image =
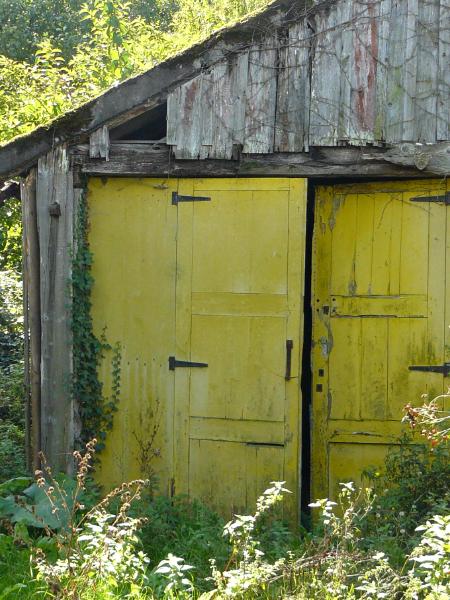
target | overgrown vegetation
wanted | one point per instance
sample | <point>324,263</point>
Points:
<point>12,443</point>
<point>132,545</point>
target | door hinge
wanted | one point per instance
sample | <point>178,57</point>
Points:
<point>444,199</point>
<point>176,198</point>
<point>444,369</point>
<point>174,363</point>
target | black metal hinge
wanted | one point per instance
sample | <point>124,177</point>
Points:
<point>176,198</point>
<point>174,363</point>
<point>444,199</point>
<point>444,369</point>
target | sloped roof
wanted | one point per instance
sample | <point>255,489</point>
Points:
<point>143,92</point>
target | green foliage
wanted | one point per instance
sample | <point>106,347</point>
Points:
<point>12,451</point>
<point>15,575</point>
<point>197,20</point>
<point>11,320</point>
<point>175,571</point>
<point>11,237</point>
<point>12,439</point>
<point>413,486</point>
<point>432,556</point>
<point>97,553</point>
<point>185,528</point>
<point>25,23</point>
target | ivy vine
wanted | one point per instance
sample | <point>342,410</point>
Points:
<point>96,412</point>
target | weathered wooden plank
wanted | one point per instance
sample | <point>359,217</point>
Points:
<point>229,100</point>
<point>261,97</point>
<point>347,14</point>
<point>410,72</point>
<point>206,103</point>
<point>427,71</point>
<point>152,160</point>
<point>173,116</point>
<point>55,227</point>
<point>443,104</point>
<point>358,82</point>
<point>99,143</point>
<point>402,71</point>
<point>33,309</point>
<point>380,123</point>
<point>325,89</point>
<point>206,119</point>
<point>190,118</point>
<point>292,118</point>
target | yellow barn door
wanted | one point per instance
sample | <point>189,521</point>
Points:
<point>239,294</point>
<point>201,282</point>
<point>379,308</point>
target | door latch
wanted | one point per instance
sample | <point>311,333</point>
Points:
<point>444,369</point>
<point>289,346</point>
<point>174,363</point>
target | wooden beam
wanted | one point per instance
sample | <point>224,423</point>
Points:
<point>55,225</point>
<point>32,311</point>
<point>140,159</point>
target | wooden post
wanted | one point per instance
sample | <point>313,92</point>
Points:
<point>55,225</point>
<point>26,336</point>
<point>32,313</point>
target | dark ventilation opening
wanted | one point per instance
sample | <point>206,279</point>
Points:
<point>150,126</point>
<point>306,379</point>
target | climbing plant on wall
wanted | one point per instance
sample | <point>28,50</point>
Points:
<point>95,410</point>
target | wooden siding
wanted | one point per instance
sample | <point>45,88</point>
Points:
<point>363,72</point>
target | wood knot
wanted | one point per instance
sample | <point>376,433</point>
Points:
<point>421,160</point>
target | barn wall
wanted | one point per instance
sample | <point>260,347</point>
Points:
<point>353,72</point>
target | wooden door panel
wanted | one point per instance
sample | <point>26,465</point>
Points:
<point>230,476</point>
<point>246,358</point>
<point>344,464</point>
<point>379,302</point>
<point>227,232</point>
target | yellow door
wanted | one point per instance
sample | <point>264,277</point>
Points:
<point>239,298</point>
<point>210,272</point>
<point>379,299</point>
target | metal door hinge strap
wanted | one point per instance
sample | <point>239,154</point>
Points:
<point>176,198</point>
<point>174,363</point>
<point>444,369</point>
<point>445,199</point>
